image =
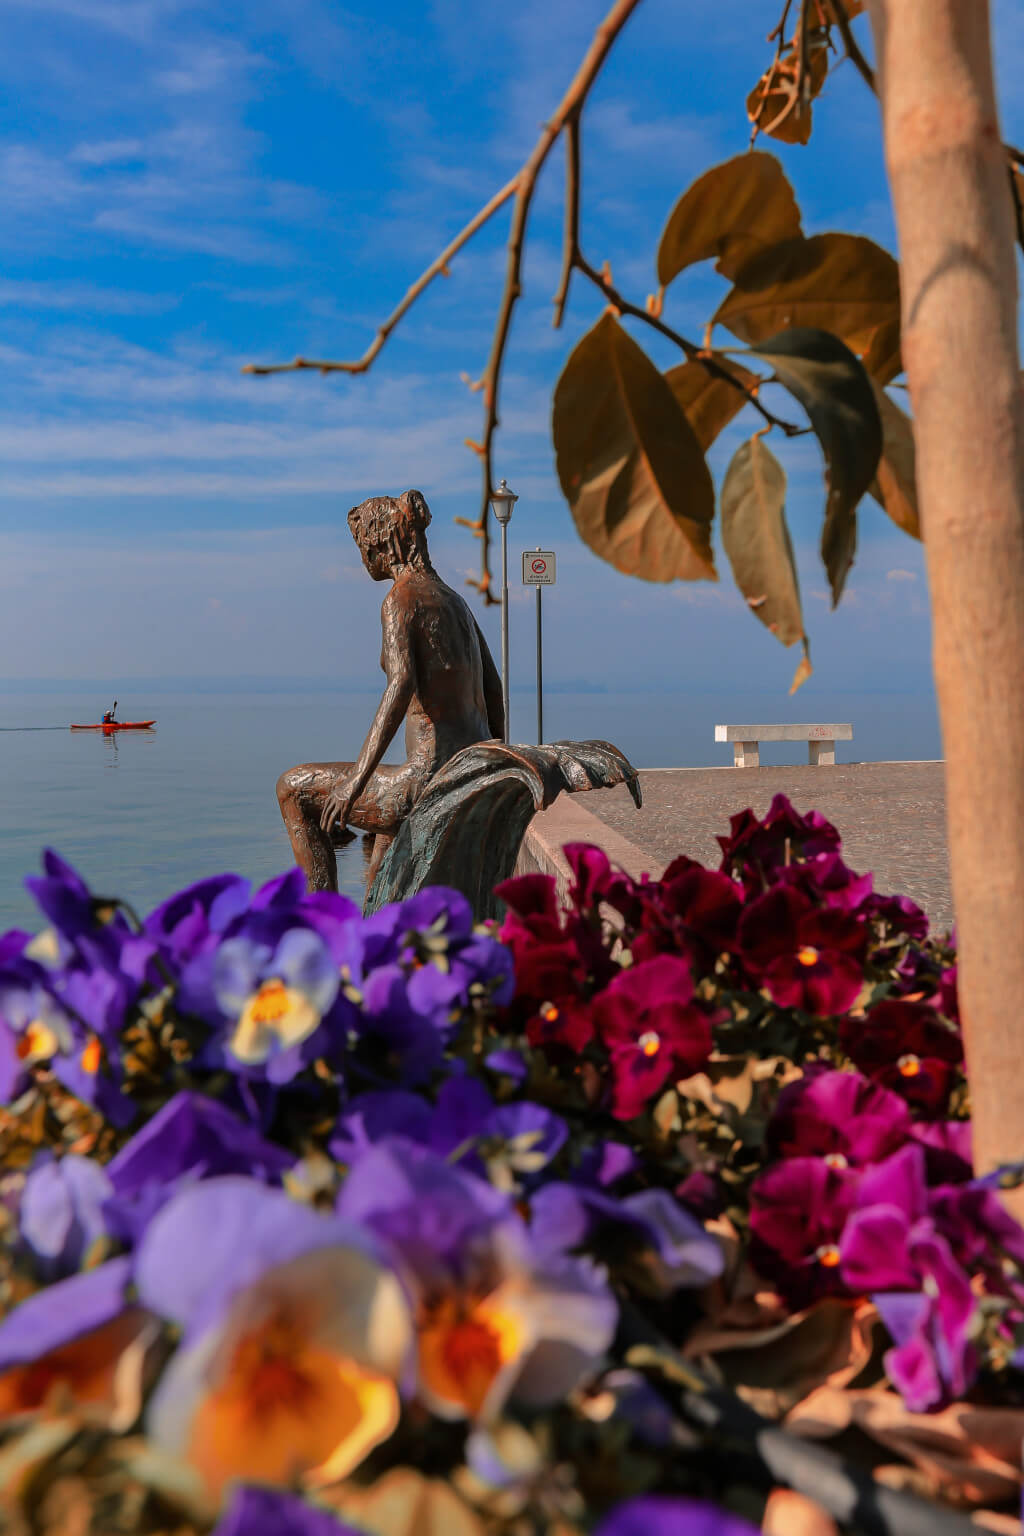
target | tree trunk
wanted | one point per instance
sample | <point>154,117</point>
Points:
<point>948,176</point>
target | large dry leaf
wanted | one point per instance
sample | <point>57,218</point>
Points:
<point>757,541</point>
<point>731,212</point>
<point>629,463</point>
<point>404,1503</point>
<point>775,1368</point>
<point>709,402</point>
<point>835,391</point>
<point>967,1452</point>
<point>845,284</point>
<point>895,485</point>
<point>778,105</point>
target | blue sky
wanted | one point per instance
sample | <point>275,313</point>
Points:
<point>189,186</point>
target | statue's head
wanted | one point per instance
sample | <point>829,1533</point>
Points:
<point>390,531</point>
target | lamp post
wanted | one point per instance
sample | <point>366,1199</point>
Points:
<point>502,502</point>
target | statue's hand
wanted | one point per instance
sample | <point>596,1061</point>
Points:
<point>338,805</point>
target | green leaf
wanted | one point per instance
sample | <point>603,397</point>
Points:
<point>845,284</point>
<point>757,541</point>
<point>629,462</point>
<point>708,402</point>
<point>895,485</point>
<point>732,212</point>
<point>839,398</point>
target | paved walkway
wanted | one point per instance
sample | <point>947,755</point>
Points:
<point>891,817</point>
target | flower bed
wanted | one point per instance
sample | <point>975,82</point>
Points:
<point>315,1222</point>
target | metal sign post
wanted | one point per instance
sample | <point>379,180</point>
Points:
<point>538,572</point>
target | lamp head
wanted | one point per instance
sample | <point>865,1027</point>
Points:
<point>502,502</point>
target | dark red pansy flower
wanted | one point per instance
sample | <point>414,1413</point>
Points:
<point>797,1212</point>
<point>825,878</point>
<point>694,908</point>
<point>758,849</point>
<point>899,914</point>
<point>566,1023</point>
<point>807,957</point>
<point>652,1029</point>
<point>909,1048</point>
<point>841,1116</point>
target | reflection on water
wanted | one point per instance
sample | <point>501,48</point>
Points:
<point>142,813</point>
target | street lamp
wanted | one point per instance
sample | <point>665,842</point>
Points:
<point>502,502</point>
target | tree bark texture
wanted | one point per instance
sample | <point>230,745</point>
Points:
<point>947,173</point>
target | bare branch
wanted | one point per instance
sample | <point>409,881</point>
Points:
<point>569,107</point>
<point>851,45</point>
<point>436,269</point>
<point>571,242</point>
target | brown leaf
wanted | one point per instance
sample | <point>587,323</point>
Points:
<point>757,541</point>
<point>841,283</point>
<point>629,463</point>
<point>967,1452</point>
<point>803,671</point>
<point>895,485</point>
<point>405,1503</point>
<point>838,396</point>
<point>709,403</point>
<point>775,103</point>
<point>731,212</point>
<point>852,7</point>
<point>777,1367</point>
<point>789,1513</point>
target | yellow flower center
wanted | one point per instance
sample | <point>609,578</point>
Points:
<point>808,955</point>
<point>462,1350</point>
<point>275,1016</point>
<point>37,1042</point>
<point>836,1160</point>
<point>91,1057</point>
<point>828,1255</point>
<point>283,1407</point>
<point>649,1042</point>
<point>909,1066</point>
<point>549,1013</point>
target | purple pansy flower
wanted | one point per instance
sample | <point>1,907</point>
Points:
<point>61,1212</point>
<point>191,1137</point>
<point>294,1336</point>
<point>656,1515</point>
<point>495,1317</point>
<point>276,998</point>
<point>256,1511</point>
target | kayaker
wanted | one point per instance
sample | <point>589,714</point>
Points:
<point>108,718</point>
<point>440,678</point>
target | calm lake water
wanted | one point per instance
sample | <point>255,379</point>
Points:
<point>141,814</point>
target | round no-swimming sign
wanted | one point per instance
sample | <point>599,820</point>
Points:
<point>538,568</point>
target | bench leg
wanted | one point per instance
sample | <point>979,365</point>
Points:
<point>821,754</point>
<point>745,754</point>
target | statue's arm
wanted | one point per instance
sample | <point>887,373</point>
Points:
<point>493,697</point>
<point>391,711</point>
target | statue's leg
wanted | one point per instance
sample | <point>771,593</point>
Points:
<point>381,808</point>
<point>301,793</point>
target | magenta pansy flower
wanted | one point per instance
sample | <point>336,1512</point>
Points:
<point>653,1030</point>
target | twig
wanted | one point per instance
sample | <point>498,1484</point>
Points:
<point>569,108</point>
<point>694,353</point>
<point>361,364</point>
<point>803,59</point>
<point>851,45</point>
<point>571,242</point>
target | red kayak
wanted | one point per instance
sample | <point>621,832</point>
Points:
<point>117,725</point>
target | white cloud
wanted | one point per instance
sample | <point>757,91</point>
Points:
<point>900,575</point>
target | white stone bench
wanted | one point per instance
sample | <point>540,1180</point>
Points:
<point>821,741</point>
